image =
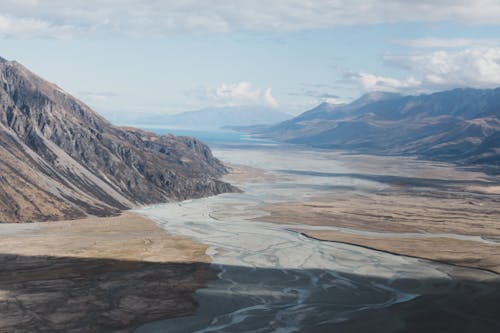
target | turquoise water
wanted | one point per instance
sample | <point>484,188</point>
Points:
<point>212,137</point>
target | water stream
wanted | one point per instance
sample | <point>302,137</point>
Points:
<point>272,279</point>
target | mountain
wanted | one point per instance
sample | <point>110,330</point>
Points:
<point>461,125</point>
<point>215,118</point>
<point>61,160</point>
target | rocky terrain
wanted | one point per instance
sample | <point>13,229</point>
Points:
<point>61,160</point>
<point>461,125</point>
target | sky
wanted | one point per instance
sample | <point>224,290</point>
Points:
<point>151,56</point>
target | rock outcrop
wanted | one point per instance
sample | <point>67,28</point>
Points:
<point>61,160</point>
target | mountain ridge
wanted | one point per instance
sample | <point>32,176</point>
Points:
<point>457,125</point>
<point>214,118</point>
<point>61,160</point>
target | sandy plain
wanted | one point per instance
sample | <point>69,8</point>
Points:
<point>96,275</point>
<point>459,230</point>
<point>448,217</point>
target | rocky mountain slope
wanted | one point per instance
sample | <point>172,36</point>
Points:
<point>461,125</point>
<point>61,160</point>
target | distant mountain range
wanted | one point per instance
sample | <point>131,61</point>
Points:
<point>461,125</point>
<point>213,118</point>
<point>61,160</point>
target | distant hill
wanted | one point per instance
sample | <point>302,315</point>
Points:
<point>461,125</point>
<point>61,160</point>
<point>216,118</point>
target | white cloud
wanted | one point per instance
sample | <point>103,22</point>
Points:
<point>96,97</point>
<point>237,91</point>
<point>101,18</point>
<point>270,100</point>
<point>241,93</point>
<point>371,82</point>
<point>32,27</point>
<point>474,67</point>
<point>447,43</point>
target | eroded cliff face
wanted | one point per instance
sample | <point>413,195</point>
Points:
<point>61,160</point>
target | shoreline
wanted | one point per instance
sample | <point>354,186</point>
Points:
<point>95,274</point>
<point>358,244</point>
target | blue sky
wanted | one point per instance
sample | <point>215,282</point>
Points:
<point>138,56</point>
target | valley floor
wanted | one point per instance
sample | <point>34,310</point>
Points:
<point>423,210</point>
<point>95,275</point>
<point>372,224</point>
<point>456,230</point>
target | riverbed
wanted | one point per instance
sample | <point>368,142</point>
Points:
<point>272,278</point>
